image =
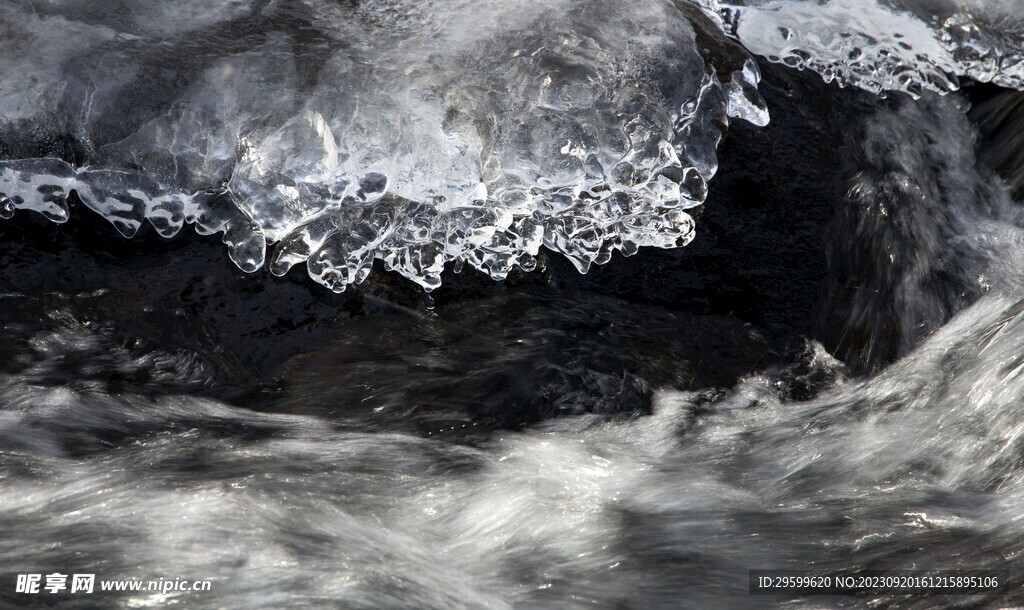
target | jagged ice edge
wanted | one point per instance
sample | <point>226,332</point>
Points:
<point>126,198</point>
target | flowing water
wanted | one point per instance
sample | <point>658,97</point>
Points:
<point>602,304</point>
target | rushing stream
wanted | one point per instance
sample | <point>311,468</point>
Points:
<point>509,303</point>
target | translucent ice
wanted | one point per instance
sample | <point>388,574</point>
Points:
<point>885,45</point>
<point>415,133</point>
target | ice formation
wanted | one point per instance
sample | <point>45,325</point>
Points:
<point>423,133</point>
<point>885,45</point>
<point>414,132</point>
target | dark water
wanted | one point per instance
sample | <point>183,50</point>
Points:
<point>828,376</point>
